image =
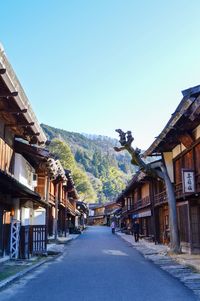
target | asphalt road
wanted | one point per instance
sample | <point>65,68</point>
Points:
<point>99,266</point>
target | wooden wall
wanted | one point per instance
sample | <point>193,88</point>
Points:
<point>6,157</point>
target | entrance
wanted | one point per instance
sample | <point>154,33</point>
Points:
<point>5,220</point>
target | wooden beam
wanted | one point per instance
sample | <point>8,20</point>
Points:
<point>2,71</point>
<point>186,139</point>
<point>7,95</point>
<point>14,112</point>
<point>195,109</point>
<point>20,124</point>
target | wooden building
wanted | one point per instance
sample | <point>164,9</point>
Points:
<point>179,146</point>
<point>18,197</point>
<point>137,202</point>
<point>83,210</point>
<point>71,202</point>
<point>96,214</point>
<point>37,196</point>
<point>111,211</point>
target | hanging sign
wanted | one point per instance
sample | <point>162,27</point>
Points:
<point>188,181</point>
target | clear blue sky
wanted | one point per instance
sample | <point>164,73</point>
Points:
<point>94,66</point>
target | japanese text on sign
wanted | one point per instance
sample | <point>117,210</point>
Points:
<point>188,181</point>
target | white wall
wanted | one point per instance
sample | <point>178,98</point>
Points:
<point>39,217</point>
<point>180,147</point>
<point>91,212</point>
<point>23,171</point>
<point>178,150</point>
<point>25,216</point>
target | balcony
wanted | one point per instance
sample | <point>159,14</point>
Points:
<point>160,198</point>
<point>124,209</point>
<point>63,202</point>
<point>146,201</point>
<point>142,203</point>
<point>179,188</point>
<point>51,198</point>
<point>71,207</point>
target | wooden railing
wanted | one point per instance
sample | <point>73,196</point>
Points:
<point>70,206</point>
<point>179,187</point>
<point>51,198</point>
<point>146,201</point>
<point>160,198</point>
<point>63,202</point>
<point>178,190</point>
<point>6,155</point>
<point>124,209</point>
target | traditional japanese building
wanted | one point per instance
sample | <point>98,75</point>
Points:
<point>96,214</point>
<point>18,198</point>
<point>83,210</point>
<point>72,198</point>
<point>179,146</point>
<point>111,211</point>
<point>37,196</point>
<point>137,203</point>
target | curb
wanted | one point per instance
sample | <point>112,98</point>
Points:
<point>19,275</point>
<point>189,278</point>
<point>6,282</point>
<point>184,262</point>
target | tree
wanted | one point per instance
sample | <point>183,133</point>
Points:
<point>83,185</point>
<point>126,140</point>
<point>112,183</point>
<point>63,152</point>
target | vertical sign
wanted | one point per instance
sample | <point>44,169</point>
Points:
<point>188,181</point>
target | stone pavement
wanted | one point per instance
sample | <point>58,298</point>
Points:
<point>185,267</point>
<point>11,270</point>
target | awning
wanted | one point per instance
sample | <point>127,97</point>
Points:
<point>35,155</point>
<point>10,186</point>
<point>142,214</point>
<point>98,216</point>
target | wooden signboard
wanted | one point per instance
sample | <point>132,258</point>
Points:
<point>188,182</point>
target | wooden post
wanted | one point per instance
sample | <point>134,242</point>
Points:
<point>56,214</point>
<point>47,209</point>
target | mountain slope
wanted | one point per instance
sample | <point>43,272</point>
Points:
<point>107,170</point>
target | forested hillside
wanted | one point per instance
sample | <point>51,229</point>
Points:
<point>99,172</point>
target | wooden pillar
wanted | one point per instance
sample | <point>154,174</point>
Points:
<point>47,208</point>
<point>56,213</point>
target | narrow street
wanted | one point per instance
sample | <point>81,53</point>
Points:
<point>98,266</point>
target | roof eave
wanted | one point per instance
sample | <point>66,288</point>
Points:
<point>21,99</point>
<point>181,109</point>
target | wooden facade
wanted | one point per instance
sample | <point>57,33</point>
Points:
<point>37,197</point>
<point>179,145</point>
<point>136,201</point>
<point>96,214</point>
<point>18,197</point>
